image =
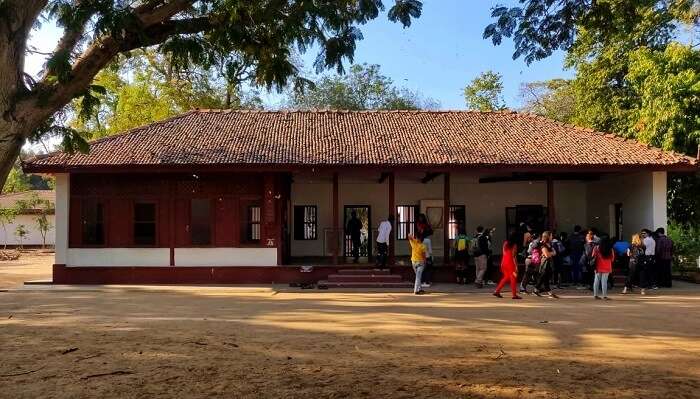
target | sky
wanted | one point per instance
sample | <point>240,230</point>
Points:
<point>437,56</point>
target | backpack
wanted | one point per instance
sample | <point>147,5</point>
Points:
<point>536,256</point>
<point>474,247</point>
<point>462,242</point>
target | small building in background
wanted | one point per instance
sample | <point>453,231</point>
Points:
<point>27,216</point>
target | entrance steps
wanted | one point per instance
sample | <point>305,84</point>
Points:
<point>364,278</point>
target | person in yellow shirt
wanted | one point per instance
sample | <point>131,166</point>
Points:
<point>418,255</point>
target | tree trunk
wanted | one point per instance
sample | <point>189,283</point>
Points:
<point>16,22</point>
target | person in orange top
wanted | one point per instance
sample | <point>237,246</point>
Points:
<point>418,255</point>
<point>604,257</point>
<point>509,266</point>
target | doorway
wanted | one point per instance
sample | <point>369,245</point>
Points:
<point>364,214</point>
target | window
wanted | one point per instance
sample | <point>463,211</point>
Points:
<point>92,218</point>
<point>457,219</point>
<point>305,222</point>
<point>200,221</point>
<point>144,223</point>
<point>252,233</point>
<point>406,221</point>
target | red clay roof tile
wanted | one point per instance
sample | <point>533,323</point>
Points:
<point>505,138</point>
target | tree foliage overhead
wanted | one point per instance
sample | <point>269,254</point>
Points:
<point>551,98</point>
<point>261,33</point>
<point>364,87</point>
<point>485,92</point>
<point>146,88</point>
<point>637,75</point>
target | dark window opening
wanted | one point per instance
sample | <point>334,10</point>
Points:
<point>92,217</point>
<point>200,221</point>
<point>305,222</point>
<point>144,223</point>
<point>405,221</point>
<point>457,219</point>
<point>252,225</point>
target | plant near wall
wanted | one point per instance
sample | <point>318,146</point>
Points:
<point>44,207</point>
<point>21,233</point>
<point>686,245</point>
<point>7,216</point>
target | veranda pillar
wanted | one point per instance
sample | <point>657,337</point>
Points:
<point>392,211</point>
<point>336,215</point>
<point>446,219</point>
<point>551,212</point>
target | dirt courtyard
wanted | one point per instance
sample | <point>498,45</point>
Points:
<point>278,342</point>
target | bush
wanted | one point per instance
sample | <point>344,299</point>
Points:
<point>686,241</point>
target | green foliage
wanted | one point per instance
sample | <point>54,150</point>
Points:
<point>21,233</point>
<point>686,244</point>
<point>585,27</point>
<point>16,181</point>
<point>666,85</point>
<point>147,87</point>
<point>553,99</point>
<point>7,216</point>
<point>363,88</point>
<point>485,92</point>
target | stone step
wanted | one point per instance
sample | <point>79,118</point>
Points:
<point>364,278</point>
<point>364,271</point>
<point>329,284</point>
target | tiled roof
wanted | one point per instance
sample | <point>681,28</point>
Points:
<point>374,138</point>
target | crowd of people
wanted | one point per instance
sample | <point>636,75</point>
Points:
<point>536,263</point>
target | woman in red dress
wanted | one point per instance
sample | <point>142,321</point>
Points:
<point>509,266</point>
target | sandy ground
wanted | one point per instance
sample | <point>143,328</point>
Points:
<point>277,342</point>
<point>32,265</point>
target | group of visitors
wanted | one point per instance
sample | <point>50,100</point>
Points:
<point>542,261</point>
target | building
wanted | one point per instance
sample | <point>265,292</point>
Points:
<point>216,196</point>
<point>27,217</point>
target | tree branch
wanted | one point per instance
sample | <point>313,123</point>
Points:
<point>52,97</point>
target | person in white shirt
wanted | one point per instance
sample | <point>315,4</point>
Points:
<point>383,238</point>
<point>650,257</point>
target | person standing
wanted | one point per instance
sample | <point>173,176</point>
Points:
<point>480,252</point>
<point>650,257</point>
<point>546,266</point>
<point>635,271</point>
<point>575,244</point>
<point>664,258</point>
<point>354,230</point>
<point>509,268</point>
<point>461,245</point>
<point>383,239</point>
<point>587,259</point>
<point>425,231</point>
<point>604,257</point>
<point>418,256</point>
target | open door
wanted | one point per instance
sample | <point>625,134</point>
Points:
<point>363,213</point>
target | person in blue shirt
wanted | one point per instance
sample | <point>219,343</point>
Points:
<point>621,247</point>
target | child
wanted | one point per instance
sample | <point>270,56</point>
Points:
<point>418,254</point>
<point>461,245</point>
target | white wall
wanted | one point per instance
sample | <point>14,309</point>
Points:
<point>118,257</point>
<point>61,219</point>
<point>225,256</point>
<point>33,235</point>
<point>643,199</point>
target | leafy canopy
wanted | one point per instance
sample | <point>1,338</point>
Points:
<point>363,88</point>
<point>485,92</point>
<point>260,37</point>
